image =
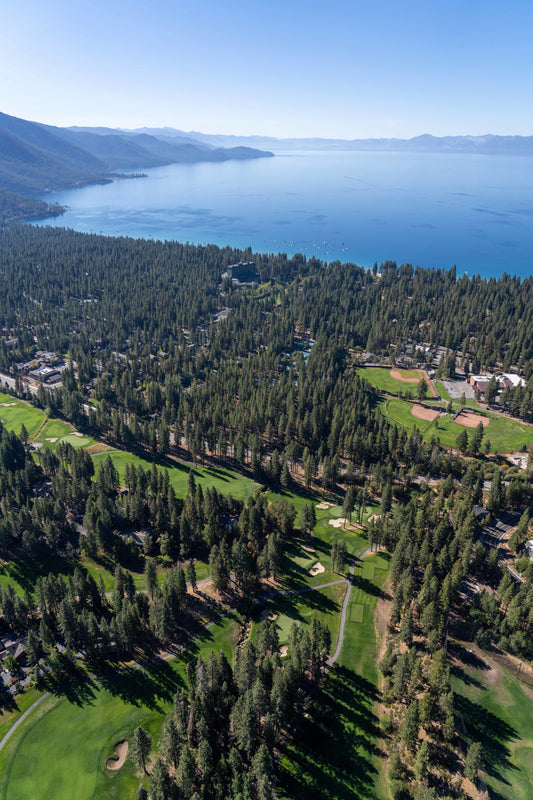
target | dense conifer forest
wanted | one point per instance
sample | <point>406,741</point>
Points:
<point>167,357</point>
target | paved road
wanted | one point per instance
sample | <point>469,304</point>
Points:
<point>21,719</point>
<point>332,659</point>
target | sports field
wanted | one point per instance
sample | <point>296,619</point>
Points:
<point>393,380</point>
<point>504,434</point>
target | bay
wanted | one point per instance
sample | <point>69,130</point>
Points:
<point>427,209</point>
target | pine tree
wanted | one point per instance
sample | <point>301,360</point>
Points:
<point>140,747</point>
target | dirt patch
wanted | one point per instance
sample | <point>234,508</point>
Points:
<point>397,375</point>
<point>428,414</point>
<point>307,549</point>
<point>317,569</point>
<point>469,420</point>
<point>283,651</point>
<point>121,751</point>
<point>323,505</point>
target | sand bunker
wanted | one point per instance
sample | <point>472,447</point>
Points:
<point>283,651</point>
<point>307,549</point>
<point>7,404</point>
<point>121,751</point>
<point>323,505</point>
<point>51,439</point>
<point>469,420</point>
<point>316,569</point>
<point>266,614</point>
<point>374,517</point>
<point>338,522</point>
<point>420,412</point>
<point>77,433</point>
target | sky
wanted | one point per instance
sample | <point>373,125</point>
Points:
<point>337,69</point>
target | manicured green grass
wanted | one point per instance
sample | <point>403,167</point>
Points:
<point>56,431</point>
<point>439,386</point>
<point>23,573</point>
<point>297,562</point>
<point>22,702</point>
<point>504,434</point>
<point>381,379</point>
<point>224,480</point>
<point>60,750</point>
<point>323,604</point>
<point>335,752</point>
<point>499,714</point>
<point>17,413</point>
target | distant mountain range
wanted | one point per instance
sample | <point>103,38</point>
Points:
<point>36,158</point>
<point>487,144</point>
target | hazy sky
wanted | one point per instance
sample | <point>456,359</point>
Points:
<point>342,68</point>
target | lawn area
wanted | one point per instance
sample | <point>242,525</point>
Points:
<point>297,562</point>
<point>324,604</point>
<point>224,480</point>
<point>381,379</point>
<point>497,711</point>
<point>336,749</point>
<point>56,431</point>
<point>23,573</point>
<point>14,413</point>
<point>68,739</point>
<point>439,386</point>
<point>504,434</point>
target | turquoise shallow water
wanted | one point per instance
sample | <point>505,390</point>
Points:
<point>435,210</point>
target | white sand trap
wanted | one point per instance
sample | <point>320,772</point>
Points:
<point>272,617</point>
<point>7,404</point>
<point>307,548</point>
<point>77,433</point>
<point>323,505</point>
<point>374,517</point>
<point>316,569</point>
<point>121,751</point>
<point>283,651</point>
<point>51,439</point>
<point>338,523</point>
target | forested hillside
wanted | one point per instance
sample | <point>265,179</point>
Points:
<point>205,382</point>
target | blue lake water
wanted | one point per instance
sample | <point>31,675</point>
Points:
<point>435,210</point>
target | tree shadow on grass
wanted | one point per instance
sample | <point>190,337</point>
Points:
<point>493,733</point>
<point>153,686</point>
<point>335,744</point>
<point>73,683</point>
